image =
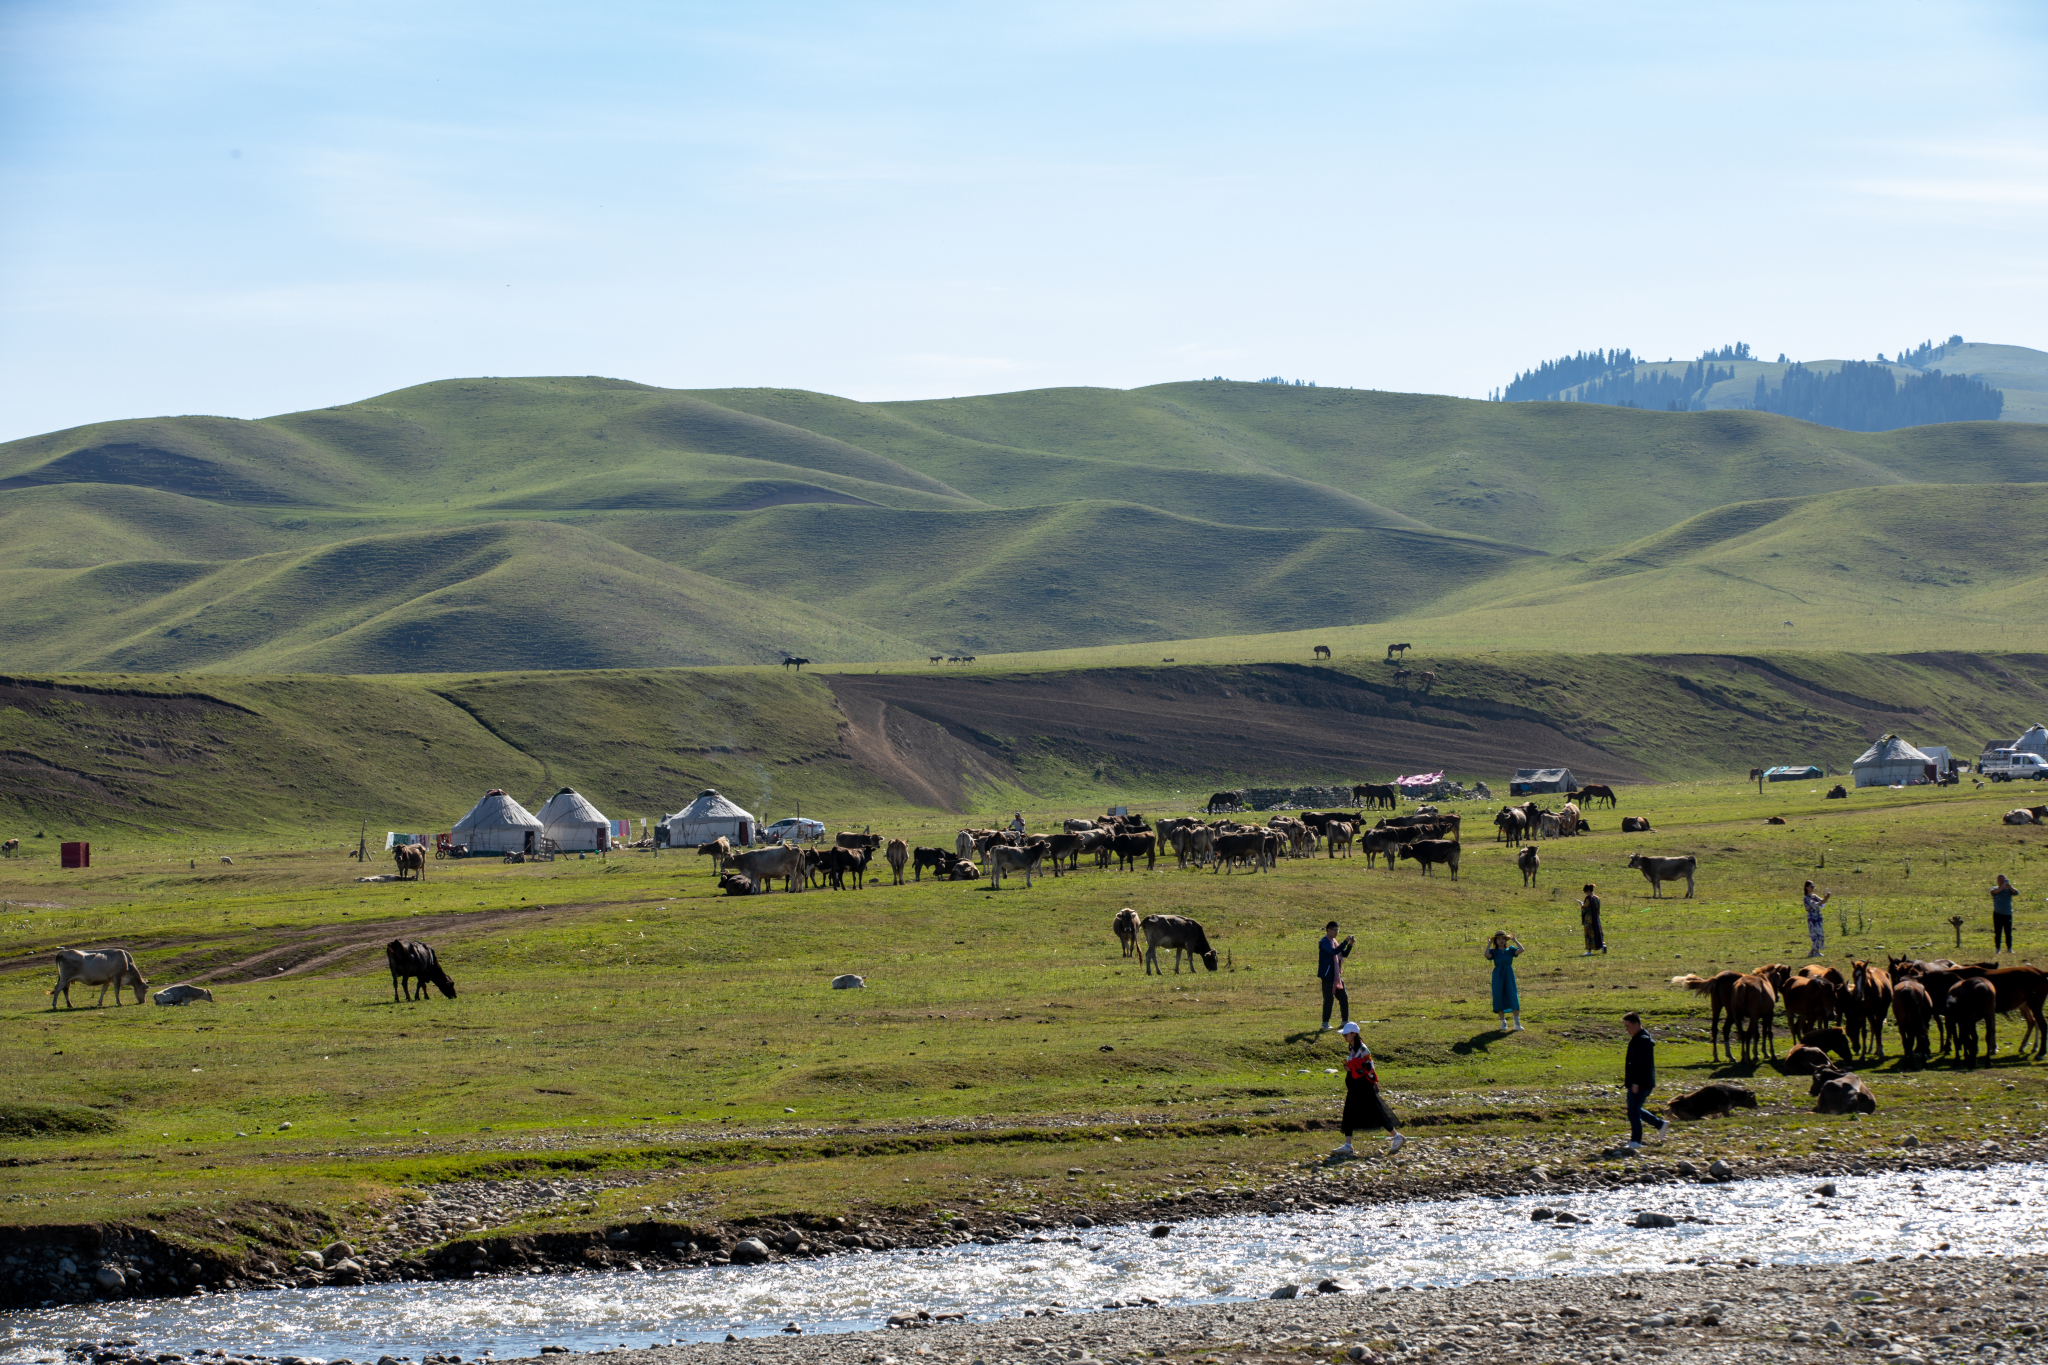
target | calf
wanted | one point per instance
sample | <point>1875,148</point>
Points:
<point>2019,817</point>
<point>1662,870</point>
<point>1430,852</point>
<point>735,884</point>
<point>1711,1100</point>
<point>182,994</point>
<point>1125,927</point>
<point>1181,935</point>
<point>1529,860</point>
<point>110,967</point>
<point>412,961</point>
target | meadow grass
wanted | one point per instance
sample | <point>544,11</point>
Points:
<point>615,1015</point>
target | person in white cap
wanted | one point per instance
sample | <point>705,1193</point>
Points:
<point>1363,1107</point>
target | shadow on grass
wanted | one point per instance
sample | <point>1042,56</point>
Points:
<point>1478,1042</point>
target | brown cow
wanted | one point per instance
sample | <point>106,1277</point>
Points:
<point>898,854</point>
<point>1125,927</point>
<point>1529,860</point>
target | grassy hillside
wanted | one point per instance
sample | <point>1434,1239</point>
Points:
<point>580,523</point>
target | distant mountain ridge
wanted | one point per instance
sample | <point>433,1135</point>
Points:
<point>558,522</point>
<point>1953,381</point>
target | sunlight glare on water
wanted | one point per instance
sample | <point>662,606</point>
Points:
<point>2002,1211</point>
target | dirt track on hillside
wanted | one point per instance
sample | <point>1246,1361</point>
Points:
<point>1283,722</point>
<point>267,954</point>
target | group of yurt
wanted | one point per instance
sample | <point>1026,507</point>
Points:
<point>569,823</point>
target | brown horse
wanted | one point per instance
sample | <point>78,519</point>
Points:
<point>1970,1000</point>
<point>1913,1010</point>
<point>1753,1006</point>
<point>1868,1001</point>
<point>1719,990</point>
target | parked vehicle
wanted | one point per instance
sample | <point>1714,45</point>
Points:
<point>2003,765</point>
<point>795,830</point>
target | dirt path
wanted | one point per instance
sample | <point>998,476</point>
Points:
<point>266,954</point>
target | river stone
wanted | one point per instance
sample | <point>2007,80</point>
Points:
<point>1720,1170</point>
<point>1285,1291</point>
<point>338,1251</point>
<point>1826,1191</point>
<point>1647,1219</point>
<point>110,1277</point>
<point>1084,1221</point>
<point>312,1260</point>
<point>1542,1215</point>
<point>749,1251</point>
<point>1163,1230</point>
<point>1687,1168</point>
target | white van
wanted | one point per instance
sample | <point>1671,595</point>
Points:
<point>2003,765</point>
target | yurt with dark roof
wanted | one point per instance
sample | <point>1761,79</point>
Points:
<point>573,823</point>
<point>498,824</point>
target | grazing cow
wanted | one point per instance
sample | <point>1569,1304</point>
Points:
<point>1838,792</point>
<point>898,854</point>
<point>734,884</point>
<point>2019,817</point>
<point>1842,1093</point>
<point>11,847</point>
<point>1125,927</point>
<point>1634,824</point>
<point>412,961</point>
<point>1529,861</point>
<point>182,994</point>
<point>1662,870</point>
<point>796,662</point>
<point>226,859</point>
<point>1597,791</point>
<point>1001,860</point>
<point>1322,651</point>
<point>1400,649</point>
<point>1711,1100</point>
<point>109,967</point>
<point>1223,801</point>
<point>763,865</point>
<point>411,858</point>
<point>1430,852</point>
<point>939,860</point>
<point>1806,1059</point>
<point>1128,848</point>
<point>718,850</point>
<point>1509,826</point>
<point>1970,1000</point>
<point>1180,934</point>
<point>1230,849</point>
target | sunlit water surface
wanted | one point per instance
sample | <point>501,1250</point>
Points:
<point>2001,1211</point>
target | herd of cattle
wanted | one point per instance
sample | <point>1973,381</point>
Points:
<point>1846,1014</point>
<point>411,962</point>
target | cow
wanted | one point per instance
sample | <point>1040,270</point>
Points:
<point>11,847</point>
<point>1529,861</point>
<point>762,865</point>
<point>412,961</point>
<point>1597,791</point>
<point>1125,927</point>
<point>846,838</point>
<point>718,850</point>
<point>1388,842</point>
<point>1711,1100</point>
<point>1376,795</point>
<point>1322,651</point>
<point>849,982</point>
<point>1339,834</point>
<point>411,858</point>
<point>939,860</point>
<point>108,967</point>
<point>965,870</point>
<point>1635,824</point>
<point>1429,852</point>
<point>182,994</point>
<point>1180,934</point>
<point>1222,801</point>
<point>735,884</point>
<point>1509,825</point>
<point>1128,848</point>
<point>898,854</point>
<point>1662,870</point>
<point>1838,792</point>
<point>2019,817</point>
<point>1231,848</point>
<point>1001,860</point>
<point>1078,826</point>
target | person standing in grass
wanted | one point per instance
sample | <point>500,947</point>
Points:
<point>1330,955</point>
<point>2001,914</point>
<point>1816,919</point>
<point>1589,921</point>
<point>1639,1078</point>
<point>1363,1107</point>
<point>1507,999</point>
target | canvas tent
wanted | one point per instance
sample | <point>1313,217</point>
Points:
<point>1892,762</point>
<point>497,824</point>
<point>1530,780</point>
<point>573,823</point>
<point>708,817</point>
<point>1939,755</point>
<point>1803,774</point>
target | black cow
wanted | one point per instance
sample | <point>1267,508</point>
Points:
<point>736,884</point>
<point>1430,852</point>
<point>412,961</point>
<point>939,860</point>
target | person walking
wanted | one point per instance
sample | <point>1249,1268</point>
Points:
<point>2001,914</point>
<point>1589,921</point>
<point>1639,1077</point>
<point>1330,955</point>
<point>1507,1000</point>
<point>1363,1107</point>
<point>1816,920</point>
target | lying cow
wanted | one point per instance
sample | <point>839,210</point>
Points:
<point>1635,824</point>
<point>735,884</point>
<point>110,967</point>
<point>1181,935</point>
<point>939,860</point>
<point>412,961</point>
<point>2019,817</point>
<point>1711,1100</point>
<point>1431,852</point>
<point>182,994</point>
<point>1662,870</point>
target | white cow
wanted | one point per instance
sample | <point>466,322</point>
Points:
<point>109,967</point>
<point>1002,859</point>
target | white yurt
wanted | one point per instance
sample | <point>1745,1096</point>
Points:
<point>2034,741</point>
<point>573,823</point>
<point>709,817</point>
<point>498,824</point>
<point>1891,762</point>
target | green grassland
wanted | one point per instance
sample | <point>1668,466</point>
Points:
<point>580,523</point>
<point>2020,372</point>
<point>617,1016</point>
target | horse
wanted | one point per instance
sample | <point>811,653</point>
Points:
<point>1809,1005</point>
<point>1428,681</point>
<point>1870,1000</point>
<point>1125,927</point>
<point>795,661</point>
<point>1719,990</point>
<point>1912,1010</point>
<point>1322,651</point>
<point>1970,1000</point>
<point>1400,649</point>
<point>1596,791</point>
<point>1753,1008</point>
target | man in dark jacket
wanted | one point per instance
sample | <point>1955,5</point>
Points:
<point>1639,1077</point>
<point>1330,955</point>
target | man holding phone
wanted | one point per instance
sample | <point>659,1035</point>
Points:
<point>1330,955</point>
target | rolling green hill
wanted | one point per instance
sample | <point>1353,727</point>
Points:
<point>581,523</point>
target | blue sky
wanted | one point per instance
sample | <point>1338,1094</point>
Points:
<point>246,208</point>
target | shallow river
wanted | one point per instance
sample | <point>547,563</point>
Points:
<point>1427,1242</point>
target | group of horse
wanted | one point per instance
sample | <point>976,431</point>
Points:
<point>1846,1014</point>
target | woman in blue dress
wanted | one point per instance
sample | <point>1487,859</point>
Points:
<point>1507,1000</point>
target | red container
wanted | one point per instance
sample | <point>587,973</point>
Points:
<point>77,855</point>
